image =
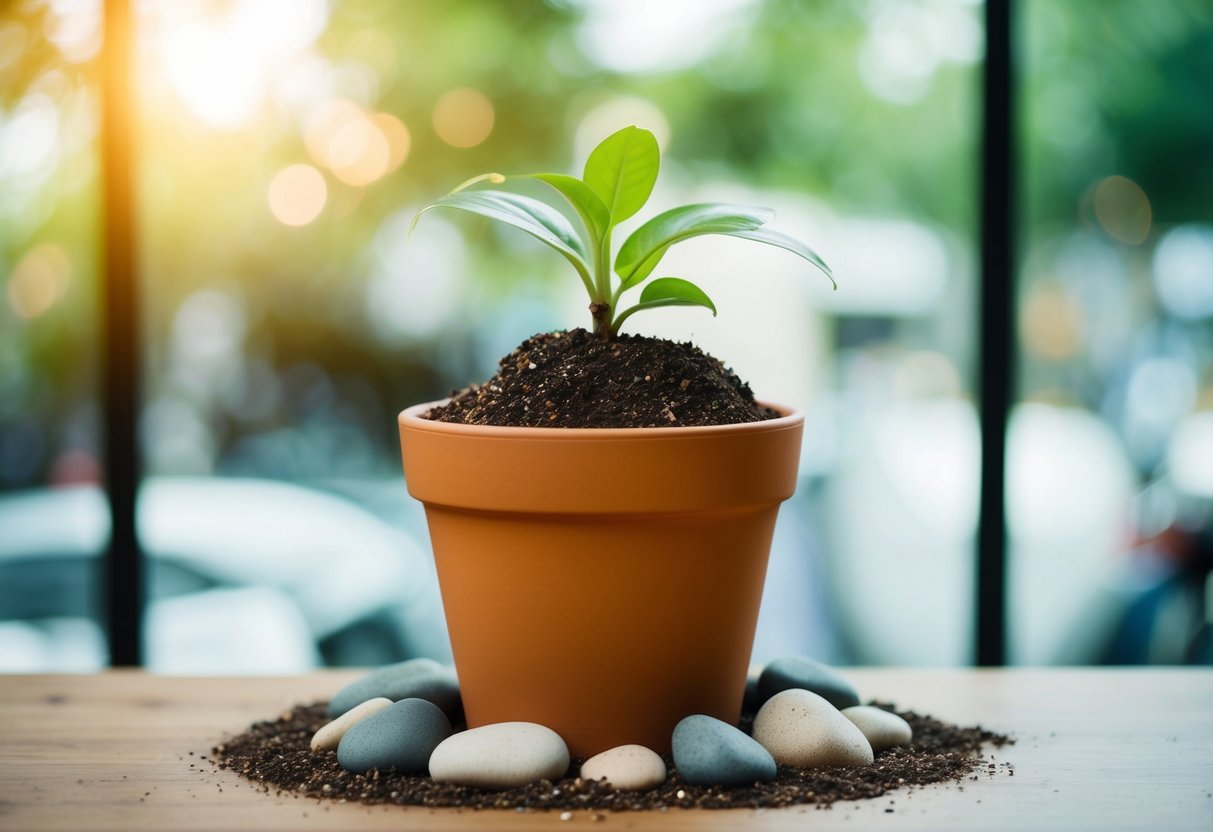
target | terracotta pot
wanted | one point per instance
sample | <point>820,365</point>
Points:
<point>604,583</point>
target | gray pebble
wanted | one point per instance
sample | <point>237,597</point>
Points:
<point>413,679</point>
<point>708,752</point>
<point>792,672</point>
<point>401,736</point>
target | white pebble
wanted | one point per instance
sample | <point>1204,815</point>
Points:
<point>500,756</point>
<point>627,768</point>
<point>882,729</point>
<point>802,729</point>
<point>329,737</point>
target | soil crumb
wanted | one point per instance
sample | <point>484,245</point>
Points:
<point>576,380</point>
<point>276,756</point>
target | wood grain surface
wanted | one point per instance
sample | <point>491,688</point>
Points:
<point>1096,749</point>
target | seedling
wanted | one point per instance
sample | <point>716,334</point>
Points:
<point>617,182</point>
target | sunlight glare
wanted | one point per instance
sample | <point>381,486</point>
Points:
<point>222,63</point>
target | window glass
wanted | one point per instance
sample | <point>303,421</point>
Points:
<point>54,521</point>
<point>1111,448</point>
<point>283,149</point>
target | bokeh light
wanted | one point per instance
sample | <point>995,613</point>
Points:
<point>398,138</point>
<point>1123,210</point>
<point>360,152</point>
<point>358,147</point>
<point>29,138</point>
<point>75,28</point>
<point>39,280</point>
<point>1051,325</point>
<point>463,117</point>
<point>1190,454</point>
<point>609,115</point>
<point>643,36</point>
<point>1183,271</point>
<point>297,195</point>
<point>321,127</point>
<point>908,42</point>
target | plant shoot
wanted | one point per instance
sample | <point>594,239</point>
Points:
<point>617,181</point>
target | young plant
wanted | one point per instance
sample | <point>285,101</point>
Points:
<point>618,179</point>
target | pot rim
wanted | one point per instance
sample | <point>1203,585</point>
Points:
<point>411,417</point>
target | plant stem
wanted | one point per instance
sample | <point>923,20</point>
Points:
<point>601,313</point>
<point>601,302</point>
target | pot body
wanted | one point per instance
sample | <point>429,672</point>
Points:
<point>604,583</point>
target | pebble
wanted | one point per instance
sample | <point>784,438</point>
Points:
<point>806,674</point>
<point>802,729</point>
<point>630,768</point>
<point>709,752</point>
<point>401,736</point>
<point>500,756</point>
<point>881,728</point>
<point>413,679</point>
<point>330,735</point>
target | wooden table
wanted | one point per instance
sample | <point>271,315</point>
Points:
<point>1096,749</point>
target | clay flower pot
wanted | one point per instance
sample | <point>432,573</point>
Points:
<point>602,582</point>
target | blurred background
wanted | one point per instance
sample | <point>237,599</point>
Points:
<point>284,146</point>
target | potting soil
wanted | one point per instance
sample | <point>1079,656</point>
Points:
<point>576,380</point>
<point>275,754</point>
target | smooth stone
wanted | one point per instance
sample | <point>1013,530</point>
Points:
<point>330,735</point>
<point>401,736</point>
<point>500,756</point>
<point>413,679</point>
<point>708,752</point>
<point>881,728</point>
<point>804,673</point>
<point>802,729</point>
<point>629,768</point>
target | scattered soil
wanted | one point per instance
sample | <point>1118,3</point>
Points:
<point>576,380</point>
<point>275,755</point>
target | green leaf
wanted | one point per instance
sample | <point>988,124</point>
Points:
<point>582,197</point>
<point>536,218</point>
<point>674,291</point>
<point>778,238</point>
<point>622,171</point>
<point>667,291</point>
<point>640,253</point>
<point>644,269</point>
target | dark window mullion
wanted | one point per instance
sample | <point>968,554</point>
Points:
<point>996,381</point>
<point>124,583</point>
